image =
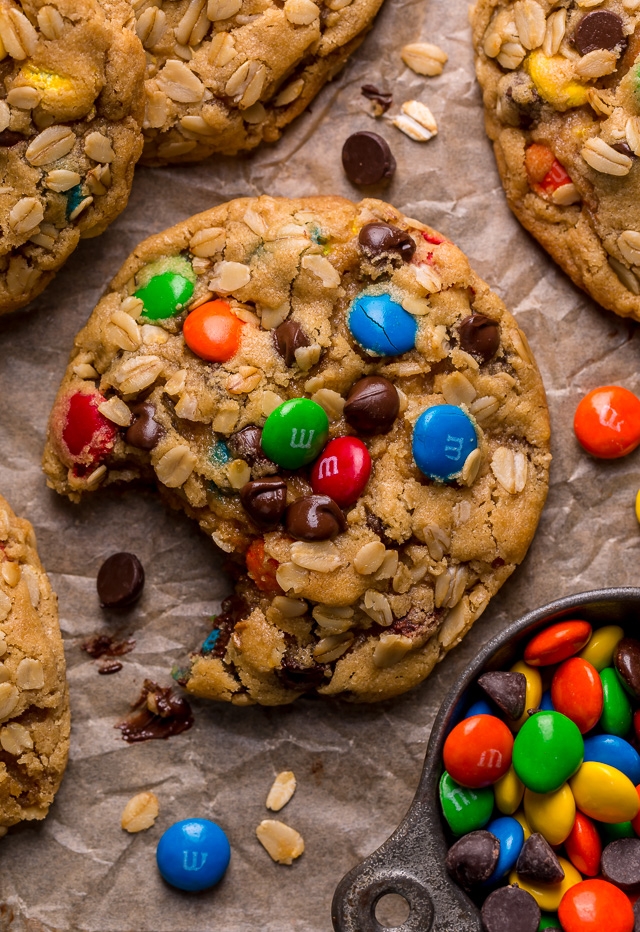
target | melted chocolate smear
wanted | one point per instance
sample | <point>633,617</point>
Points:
<point>103,645</point>
<point>234,608</point>
<point>162,714</point>
<point>371,92</point>
<point>110,666</point>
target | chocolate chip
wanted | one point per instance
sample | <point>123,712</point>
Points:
<point>473,858</point>
<point>538,861</point>
<point>246,444</point>
<point>620,863</point>
<point>627,662</point>
<point>265,500</point>
<point>479,336</point>
<point>625,148</point>
<point>144,432</point>
<point>379,239</point>
<point>372,405</point>
<point>367,158</point>
<point>120,580</point>
<point>314,517</point>
<point>8,139</point>
<point>600,29</point>
<point>371,92</point>
<point>289,337</point>
<point>508,691</point>
<point>295,675</point>
<point>510,909</point>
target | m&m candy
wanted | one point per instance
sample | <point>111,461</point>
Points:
<point>478,751</point>
<point>604,793</point>
<point>464,809</point>
<point>595,906</point>
<point>86,435</point>
<point>165,295</point>
<point>381,326</point>
<point>547,750</point>
<point>193,854</point>
<point>607,422</point>
<point>443,438</point>
<point>557,642</point>
<point>342,470</point>
<point>213,332</point>
<point>295,433</point>
<point>576,691</point>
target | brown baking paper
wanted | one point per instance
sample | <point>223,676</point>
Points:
<point>357,767</point>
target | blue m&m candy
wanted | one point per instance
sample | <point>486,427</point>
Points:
<point>382,326</point>
<point>443,438</point>
<point>193,854</point>
<point>510,834</point>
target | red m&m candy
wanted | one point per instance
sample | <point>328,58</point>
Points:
<point>261,567</point>
<point>584,846</point>
<point>576,691</point>
<point>478,751</point>
<point>86,434</point>
<point>607,422</point>
<point>342,470</point>
<point>557,642</point>
<point>595,906</point>
<point>213,332</point>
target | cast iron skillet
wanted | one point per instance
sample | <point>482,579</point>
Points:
<point>411,861</point>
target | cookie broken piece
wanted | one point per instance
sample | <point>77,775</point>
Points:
<point>560,87</point>
<point>225,75</point>
<point>34,700</point>
<point>70,132</point>
<point>270,365</point>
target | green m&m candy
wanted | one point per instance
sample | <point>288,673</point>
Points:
<point>464,809</point>
<point>166,286</point>
<point>616,709</point>
<point>295,433</point>
<point>547,750</point>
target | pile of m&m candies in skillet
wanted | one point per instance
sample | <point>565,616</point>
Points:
<point>541,786</point>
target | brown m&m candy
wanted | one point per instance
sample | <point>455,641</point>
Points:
<point>473,858</point>
<point>289,337</point>
<point>314,517</point>
<point>265,500</point>
<point>367,158</point>
<point>379,240</point>
<point>372,405</point>
<point>144,432</point>
<point>120,580</point>
<point>479,336</point>
<point>599,29</point>
<point>510,909</point>
<point>626,660</point>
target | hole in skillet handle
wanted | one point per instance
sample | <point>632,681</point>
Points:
<point>358,894</point>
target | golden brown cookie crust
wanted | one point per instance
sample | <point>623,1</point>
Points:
<point>34,698</point>
<point>592,234</point>
<point>442,550</point>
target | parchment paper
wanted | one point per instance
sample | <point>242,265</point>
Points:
<point>357,767</point>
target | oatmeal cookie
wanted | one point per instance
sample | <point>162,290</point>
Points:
<point>224,75</point>
<point>344,407</point>
<point>71,109</point>
<point>34,699</point>
<point>562,106</point>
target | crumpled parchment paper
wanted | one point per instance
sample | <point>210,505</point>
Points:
<point>356,766</point>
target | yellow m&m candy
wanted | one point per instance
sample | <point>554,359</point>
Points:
<point>554,80</point>
<point>604,793</point>
<point>551,814</point>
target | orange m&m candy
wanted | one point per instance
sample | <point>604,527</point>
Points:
<point>576,691</point>
<point>607,422</point>
<point>557,642</point>
<point>478,751</point>
<point>595,906</point>
<point>212,332</point>
<point>261,567</point>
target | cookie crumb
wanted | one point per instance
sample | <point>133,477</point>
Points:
<point>140,813</point>
<point>281,842</point>
<point>284,786</point>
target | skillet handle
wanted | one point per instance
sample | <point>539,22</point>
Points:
<point>356,897</point>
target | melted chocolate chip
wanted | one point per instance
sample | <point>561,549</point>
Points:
<point>372,405</point>
<point>103,645</point>
<point>246,444</point>
<point>599,29</point>
<point>624,148</point>
<point>380,240</point>
<point>265,500</point>
<point>120,580</point>
<point>620,864</point>
<point>289,337</point>
<point>234,608</point>
<point>479,336</point>
<point>314,517</point>
<point>473,858</point>
<point>294,675</point>
<point>367,158</point>
<point>144,432</point>
<point>371,92</point>
<point>510,909</point>
<point>8,139</point>
<point>508,691</point>
<point>161,714</point>
<point>538,861</point>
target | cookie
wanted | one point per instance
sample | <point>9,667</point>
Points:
<point>562,106</point>
<point>224,75</point>
<point>71,112</point>
<point>344,407</point>
<point>34,699</point>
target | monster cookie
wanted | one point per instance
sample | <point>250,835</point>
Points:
<point>71,110</point>
<point>34,701</point>
<point>561,85</point>
<point>344,407</point>
<point>224,75</point>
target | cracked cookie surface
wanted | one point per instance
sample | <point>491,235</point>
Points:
<point>34,699</point>
<point>561,88</point>
<point>224,75</point>
<point>232,362</point>
<point>71,109</point>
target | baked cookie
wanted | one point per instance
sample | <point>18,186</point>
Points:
<point>71,109</point>
<point>344,407</point>
<point>223,75</point>
<point>34,699</point>
<point>562,106</point>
